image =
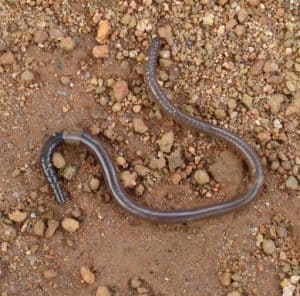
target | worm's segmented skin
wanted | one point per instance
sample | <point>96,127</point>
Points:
<point>110,173</point>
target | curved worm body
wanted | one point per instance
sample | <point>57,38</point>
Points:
<point>110,173</point>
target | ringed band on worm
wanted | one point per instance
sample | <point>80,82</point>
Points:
<point>253,162</point>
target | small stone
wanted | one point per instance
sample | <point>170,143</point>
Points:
<point>103,291</point>
<point>50,274</point>
<point>39,227</point>
<point>7,232</point>
<point>100,51</point>
<point>121,161</point>
<point>139,126</point>
<point>87,275</point>
<point>294,107</point>
<point>94,184</point>
<point>12,1</point>
<point>141,170</point>
<point>254,3</point>
<point>120,90</point>
<point>157,163</point>
<point>135,283</point>
<point>27,76</point>
<point>70,224</point>
<point>104,30</point>
<point>40,37</point>
<point>67,44</point>
<point>58,160</point>
<point>208,20</point>
<point>69,172</point>
<point>291,86</point>
<point>257,67</point>
<point>270,67</point>
<point>7,59</point>
<point>222,2</point>
<point>165,32</point>
<point>263,137</point>
<point>268,246</point>
<point>55,33</point>
<point>234,293</point>
<point>247,100</point>
<point>291,183</point>
<point>117,107</point>
<point>220,114</point>
<point>52,226</point>
<point>275,102</point>
<point>239,30</point>
<point>17,216</point>
<point>226,279</point>
<point>201,177</point>
<point>166,142</point>
<point>242,15</point>
<point>65,80</point>
<point>128,179</point>
<point>175,160</point>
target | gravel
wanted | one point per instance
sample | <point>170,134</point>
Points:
<point>201,177</point>
<point>103,291</point>
<point>58,160</point>
<point>292,183</point>
<point>39,227</point>
<point>87,275</point>
<point>166,142</point>
<point>139,126</point>
<point>268,246</point>
<point>70,224</point>
<point>67,44</point>
<point>17,216</point>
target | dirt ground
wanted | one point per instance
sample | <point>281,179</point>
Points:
<point>77,65</point>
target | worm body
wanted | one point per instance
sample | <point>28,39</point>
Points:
<point>253,162</point>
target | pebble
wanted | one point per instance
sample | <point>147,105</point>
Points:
<point>40,37</point>
<point>65,80</point>
<point>175,160</point>
<point>69,172</point>
<point>27,76</point>
<point>263,137</point>
<point>275,102</point>
<point>139,126</point>
<point>270,67</point>
<point>208,20</point>
<point>201,177</point>
<point>100,51</point>
<point>135,283</point>
<point>234,293</point>
<point>7,59</point>
<point>87,275</point>
<point>50,274</point>
<point>254,3</point>
<point>7,232</point>
<point>94,184</point>
<point>128,179</point>
<point>17,216</point>
<point>220,114</point>
<point>67,44</point>
<point>120,90</point>
<point>291,183</point>
<point>294,107</point>
<point>157,163</point>
<point>141,170</point>
<point>268,246</point>
<point>226,279</point>
<point>103,291</point>
<point>39,228</point>
<point>165,32</point>
<point>52,226</point>
<point>242,15</point>
<point>166,142</point>
<point>70,224</point>
<point>104,30</point>
<point>247,100</point>
<point>58,160</point>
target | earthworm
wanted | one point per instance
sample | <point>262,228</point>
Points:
<point>110,174</point>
